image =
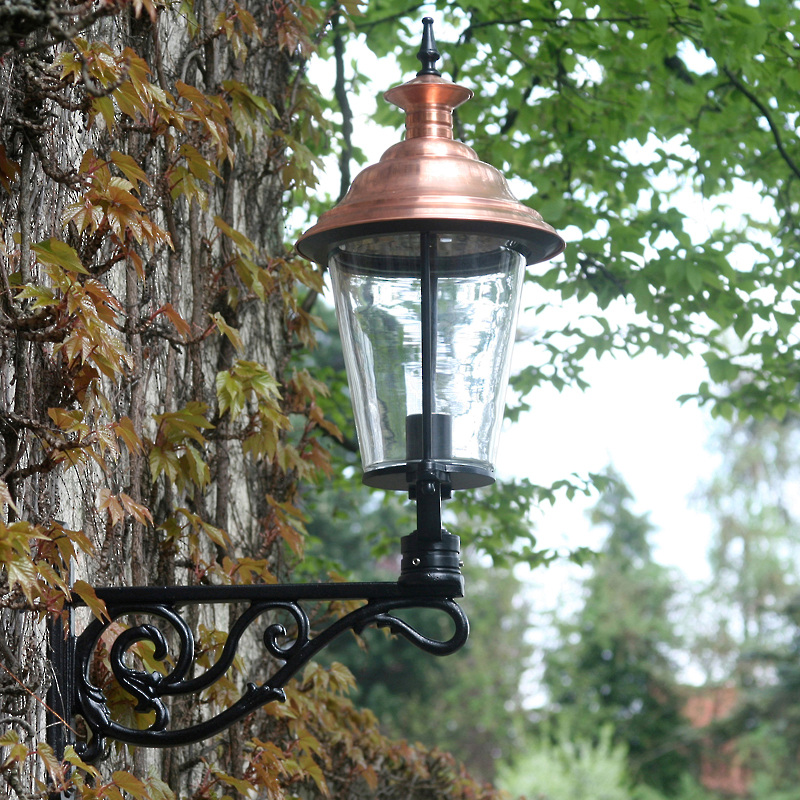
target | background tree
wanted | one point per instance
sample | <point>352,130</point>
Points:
<point>744,632</point>
<point>754,552</point>
<point>612,668</point>
<point>767,721</point>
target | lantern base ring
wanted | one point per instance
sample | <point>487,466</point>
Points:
<point>158,625</point>
<point>453,475</point>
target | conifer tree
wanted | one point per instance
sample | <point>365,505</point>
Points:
<point>612,666</point>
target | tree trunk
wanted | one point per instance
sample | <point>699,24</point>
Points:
<point>78,117</point>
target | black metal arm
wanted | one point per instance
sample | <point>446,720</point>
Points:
<point>76,696</point>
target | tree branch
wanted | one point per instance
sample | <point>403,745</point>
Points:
<point>340,92</point>
<point>768,117</point>
<point>369,26</point>
<point>53,438</point>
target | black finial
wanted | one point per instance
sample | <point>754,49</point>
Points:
<point>428,55</point>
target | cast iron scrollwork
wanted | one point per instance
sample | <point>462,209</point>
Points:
<point>150,689</point>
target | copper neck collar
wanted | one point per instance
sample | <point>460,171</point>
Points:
<point>429,101</point>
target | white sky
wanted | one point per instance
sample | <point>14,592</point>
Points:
<point>630,419</point>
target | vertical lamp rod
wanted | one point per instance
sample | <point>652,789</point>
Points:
<point>428,309</point>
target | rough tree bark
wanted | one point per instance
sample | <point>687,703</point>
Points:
<point>163,292</point>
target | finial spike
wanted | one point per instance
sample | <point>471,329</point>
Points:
<point>428,55</point>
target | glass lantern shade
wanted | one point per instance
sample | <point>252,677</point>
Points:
<point>474,283</point>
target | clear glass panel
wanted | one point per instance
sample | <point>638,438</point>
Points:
<point>377,287</point>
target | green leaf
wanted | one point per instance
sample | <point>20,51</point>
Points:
<point>71,757</point>
<point>786,322</point>
<point>742,324</point>
<point>9,738</point>
<point>105,107</point>
<point>5,497</point>
<point>241,240</point>
<point>232,334</point>
<point>89,596</point>
<point>130,784</point>
<point>199,166</point>
<point>60,254</point>
<point>694,278</point>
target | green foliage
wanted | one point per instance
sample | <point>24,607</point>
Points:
<point>568,768</point>
<point>603,115</point>
<point>498,521</point>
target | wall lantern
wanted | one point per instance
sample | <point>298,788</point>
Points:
<point>427,254</point>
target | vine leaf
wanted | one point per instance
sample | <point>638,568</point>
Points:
<point>60,254</point>
<point>93,602</point>
<point>181,325</point>
<point>245,245</point>
<point>5,497</point>
<point>9,739</point>
<point>229,331</point>
<point>133,172</point>
<point>130,784</point>
<point>127,432</point>
<point>71,757</point>
<point>9,170</point>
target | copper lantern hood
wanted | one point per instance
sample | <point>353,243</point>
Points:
<point>430,181</point>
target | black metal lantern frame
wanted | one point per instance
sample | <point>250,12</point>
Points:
<point>437,187</point>
<point>430,579</point>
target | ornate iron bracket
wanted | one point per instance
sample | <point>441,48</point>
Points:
<point>75,695</point>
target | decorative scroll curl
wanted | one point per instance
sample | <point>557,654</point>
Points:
<point>151,689</point>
